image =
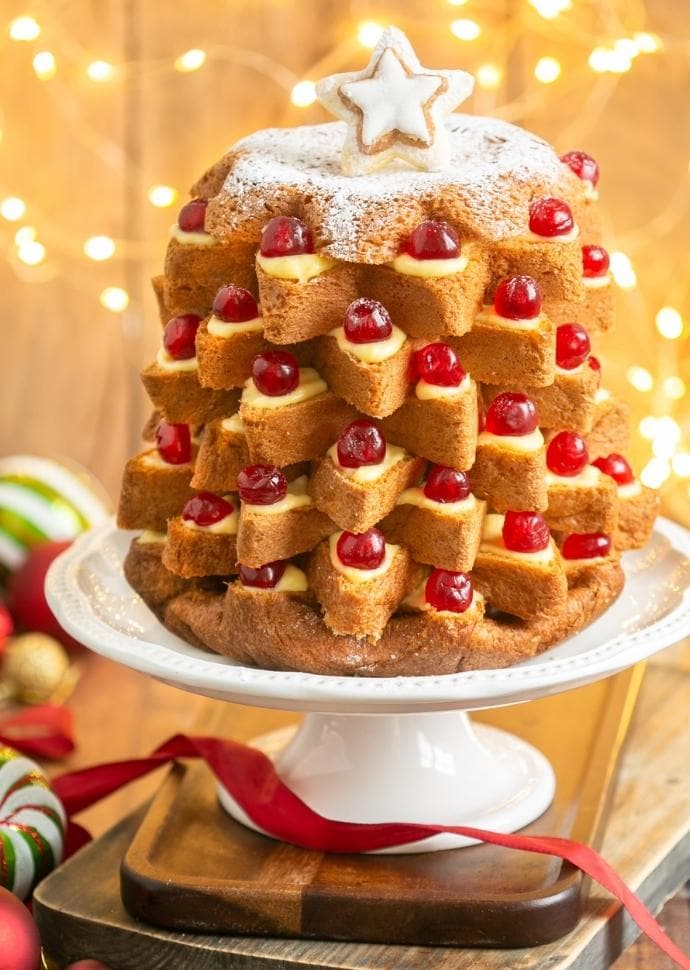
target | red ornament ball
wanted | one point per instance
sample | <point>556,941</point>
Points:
<point>439,364</point>
<point>567,454</point>
<point>445,485</point>
<point>174,442</point>
<point>365,550</point>
<point>286,236</point>
<point>234,304</point>
<point>583,165</point>
<point>206,509</point>
<point>433,240</point>
<point>20,944</point>
<point>192,216</point>
<point>550,217</point>
<point>572,345</point>
<point>26,599</point>
<point>518,298</point>
<point>361,443</point>
<point>179,336</point>
<point>448,591</point>
<point>367,321</point>
<point>511,414</point>
<point>617,467</point>
<point>261,485</point>
<point>275,373</point>
<point>525,532</point>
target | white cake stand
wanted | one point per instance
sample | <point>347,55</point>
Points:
<point>397,749</point>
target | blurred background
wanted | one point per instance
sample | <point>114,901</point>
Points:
<point>110,109</point>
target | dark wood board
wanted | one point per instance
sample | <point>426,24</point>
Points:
<point>191,867</point>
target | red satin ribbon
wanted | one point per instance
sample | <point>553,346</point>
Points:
<point>42,732</point>
<point>251,779</point>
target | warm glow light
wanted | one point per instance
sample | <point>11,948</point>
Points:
<point>12,208</point>
<point>191,60</point>
<point>44,65</point>
<point>303,94</point>
<point>598,60</point>
<point>647,427</point>
<point>24,28</point>
<point>614,60</point>
<point>489,76</point>
<point>465,29</point>
<point>627,47</point>
<point>32,253</point>
<point>669,323</point>
<point>647,43</point>
<point>162,196</point>
<point>24,235</point>
<point>100,71</point>
<point>99,247</point>
<point>368,33</point>
<point>547,70</point>
<point>457,3</point>
<point>681,464</point>
<point>667,437</point>
<point>114,298</point>
<point>674,387</point>
<point>655,472</point>
<point>640,378</point>
<point>550,9</point>
<point>622,271</point>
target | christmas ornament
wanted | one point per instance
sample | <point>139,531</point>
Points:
<point>34,669</point>
<point>26,597</point>
<point>6,627</point>
<point>20,946</point>
<point>32,824</point>
<point>42,499</point>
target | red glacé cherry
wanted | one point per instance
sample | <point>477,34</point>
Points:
<point>365,550</point>
<point>586,545</point>
<point>433,240</point>
<point>265,577</point>
<point>361,443</point>
<point>567,454</point>
<point>275,373</point>
<point>518,298</point>
<point>511,414</point>
<point>261,485</point>
<point>179,336</point>
<point>448,591</point>
<point>583,165</point>
<point>192,216</point>
<point>595,261</point>
<point>234,304</point>
<point>174,443</point>
<point>445,484</point>
<point>286,236</point>
<point>367,321</point>
<point>525,532</point>
<point>550,217</point>
<point>205,508</point>
<point>617,467</point>
<point>439,364</point>
<point>572,345</point>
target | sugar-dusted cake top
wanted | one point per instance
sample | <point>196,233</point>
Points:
<point>495,170</point>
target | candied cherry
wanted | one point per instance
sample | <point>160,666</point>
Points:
<point>583,165</point>
<point>179,336</point>
<point>261,485</point>
<point>511,414</point>
<point>234,304</point>
<point>174,443</point>
<point>286,236</point>
<point>525,532</point>
<point>205,508</point>
<point>567,454</point>
<point>550,217</point>
<point>367,321</point>
<point>275,373</point>
<point>586,545</point>
<point>595,261</point>
<point>572,345</point>
<point>617,467</point>
<point>445,484</point>
<point>433,240</point>
<point>449,592</point>
<point>439,364</point>
<point>364,550</point>
<point>518,298</point>
<point>265,577</point>
<point>192,216</point>
<point>361,443</point>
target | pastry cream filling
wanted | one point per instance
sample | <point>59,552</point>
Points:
<point>591,561</point>
<point>488,315</point>
<point>570,372</point>
<point>221,328</point>
<point>300,268</point>
<point>492,541</point>
<point>631,490</point>
<point>293,580</point>
<point>566,237</point>
<point>295,498</point>
<point>192,238</point>
<point>166,362</point>
<point>521,442</point>
<point>596,282</point>
<point>432,392</point>
<point>417,601</point>
<point>154,460</point>
<point>233,424</point>
<point>227,526</point>
<point>310,385</point>
<point>589,477</point>
<point>360,575</point>
<point>601,395</point>
<point>590,192</point>
<point>374,352</point>
<point>416,496</point>
<point>149,536</point>
<point>429,268</point>
<point>369,473</point>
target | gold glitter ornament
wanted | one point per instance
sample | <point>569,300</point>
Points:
<point>34,668</point>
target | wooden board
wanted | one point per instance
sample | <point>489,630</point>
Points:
<point>191,867</point>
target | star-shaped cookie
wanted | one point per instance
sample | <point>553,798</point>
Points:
<point>394,108</point>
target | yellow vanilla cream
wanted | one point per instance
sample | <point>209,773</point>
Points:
<point>369,473</point>
<point>227,526</point>
<point>233,424</point>
<point>567,237</point>
<point>300,268</point>
<point>631,490</point>
<point>489,315</point>
<point>374,352</point>
<point>433,392</point>
<point>310,385</point>
<point>587,478</point>
<point>521,443</point>
<point>429,268</point>
<point>295,498</point>
<point>149,536</point>
<point>221,328</point>
<point>492,541</point>
<point>166,362</point>
<point>192,238</point>
<point>416,496</point>
<point>596,282</point>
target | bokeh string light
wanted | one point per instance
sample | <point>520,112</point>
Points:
<point>608,52</point>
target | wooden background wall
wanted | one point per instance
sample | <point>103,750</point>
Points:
<point>83,156</point>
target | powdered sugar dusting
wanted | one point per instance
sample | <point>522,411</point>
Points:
<point>496,169</point>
